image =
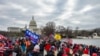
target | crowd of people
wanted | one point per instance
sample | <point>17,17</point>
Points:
<point>24,47</point>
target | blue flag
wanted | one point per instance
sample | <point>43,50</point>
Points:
<point>33,36</point>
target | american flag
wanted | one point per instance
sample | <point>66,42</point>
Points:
<point>2,37</point>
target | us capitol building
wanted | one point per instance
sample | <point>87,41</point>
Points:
<point>32,27</point>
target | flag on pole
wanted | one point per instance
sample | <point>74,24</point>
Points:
<point>32,36</point>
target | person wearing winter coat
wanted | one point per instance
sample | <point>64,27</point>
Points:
<point>42,44</point>
<point>36,50</point>
<point>51,52</point>
<point>47,46</point>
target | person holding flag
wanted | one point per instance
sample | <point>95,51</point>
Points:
<point>32,41</point>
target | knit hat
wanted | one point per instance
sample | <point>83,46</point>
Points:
<point>94,54</point>
<point>52,47</point>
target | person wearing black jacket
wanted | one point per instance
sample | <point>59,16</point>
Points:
<point>42,44</point>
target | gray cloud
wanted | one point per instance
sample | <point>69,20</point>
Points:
<point>19,12</point>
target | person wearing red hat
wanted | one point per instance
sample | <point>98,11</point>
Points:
<point>86,52</point>
<point>94,54</point>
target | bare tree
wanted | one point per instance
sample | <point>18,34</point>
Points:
<point>76,32</point>
<point>61,29</point>
<point>69,32</point>
<point>49,28</point>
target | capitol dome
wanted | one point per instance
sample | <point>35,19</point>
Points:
<point>33,25</point>
<point>32,22</point>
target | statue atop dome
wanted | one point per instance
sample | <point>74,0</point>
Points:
<point>32,17</point>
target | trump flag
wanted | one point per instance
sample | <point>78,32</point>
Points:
<point>32,36</point>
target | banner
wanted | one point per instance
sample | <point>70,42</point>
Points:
<point>32,36</point>
<point>57,37</point>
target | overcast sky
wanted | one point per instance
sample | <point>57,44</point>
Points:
<point>84,14</point>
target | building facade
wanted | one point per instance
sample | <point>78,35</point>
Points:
<point>32,27</point>
<point>14,29</point>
